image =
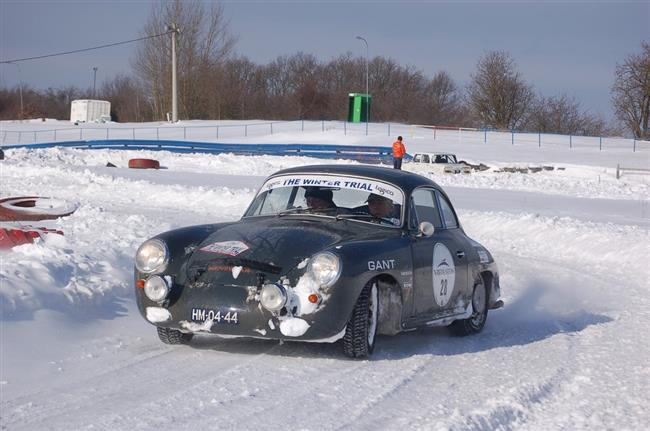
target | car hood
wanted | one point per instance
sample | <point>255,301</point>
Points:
<point>273,245</point>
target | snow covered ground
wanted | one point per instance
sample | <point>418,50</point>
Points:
<point>570,349</point>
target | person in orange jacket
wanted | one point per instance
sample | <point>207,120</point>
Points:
<point>398,153</point>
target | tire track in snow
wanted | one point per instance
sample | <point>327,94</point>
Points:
<point>152,373</point>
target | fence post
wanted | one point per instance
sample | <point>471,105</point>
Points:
<point>323,126</point>
<point>55,134</point>
<point>539,140</point>
<point>271,128</point>
<point>512,132</point>
<point>485,136</point>
<point>133,134</point>
<point>388,129</point>
<point>618,171</point>
<point>434,133</point>
<point>245,129</point>
<point>157,133</point>
<point>217,132</point>
<point>634,148</point>
<point>303,126</point>
<point>600,144</point>
<point>345,127</point>
<point>107,133</point>
<point>570,141</point>
<point>184,132</point>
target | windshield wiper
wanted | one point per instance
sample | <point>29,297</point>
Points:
<point>364,216</point>
<point>294,210</point>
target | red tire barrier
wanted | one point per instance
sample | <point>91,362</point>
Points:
<point>144,164</point>
<point>10,238</point>
<point>33,208</point>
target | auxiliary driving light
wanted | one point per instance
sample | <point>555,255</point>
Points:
<point>156,288</point>
<point>273,297</point>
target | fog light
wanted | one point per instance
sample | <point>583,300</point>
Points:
<point>273,297</point>
<point>156,288</point>
<point>313,298</point>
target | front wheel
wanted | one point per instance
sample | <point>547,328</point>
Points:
<point>359,339</point>
<point>476,321</point>
<point>173,336</point>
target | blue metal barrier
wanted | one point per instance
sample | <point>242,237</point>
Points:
<point>366,154</point>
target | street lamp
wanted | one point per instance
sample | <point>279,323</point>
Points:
<point>367,94</point>
<point>20,79</point>
<point>94,80</point>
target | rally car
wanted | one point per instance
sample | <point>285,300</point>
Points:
<point>323,253</point>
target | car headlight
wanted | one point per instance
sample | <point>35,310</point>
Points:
<point>326,268</point>
<point>273,296</point>
<point>152,256</point>
<point>156,288</point>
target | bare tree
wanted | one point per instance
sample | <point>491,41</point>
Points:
<point>203,44</point>
<point>127,99</point>
<point>442,104</point>
<point>497,93</point>
<point>631,92</point>
<point>563,115</point>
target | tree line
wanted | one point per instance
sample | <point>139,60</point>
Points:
<point>213,83</point>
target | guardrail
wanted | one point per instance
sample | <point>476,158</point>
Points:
<point>233,130</point>
<point>362,153</point>
<point>640,171</point>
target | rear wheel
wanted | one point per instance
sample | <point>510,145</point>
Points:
<point>359,339</point>
<point>476,321</point>
<point>173,336</point>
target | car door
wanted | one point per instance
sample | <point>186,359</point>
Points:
<point>439,261</point>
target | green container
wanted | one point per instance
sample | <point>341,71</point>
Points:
<point>358,107</point>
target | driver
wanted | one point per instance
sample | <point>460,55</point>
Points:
<point>319,199</point>
<point>380,206</point>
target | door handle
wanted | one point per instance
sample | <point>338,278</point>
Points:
<point>460,254</point>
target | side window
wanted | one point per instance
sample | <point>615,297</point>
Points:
<point>424,206</point>
<point>416,158</point>
<point>447,213</point>
<point>425,158</point>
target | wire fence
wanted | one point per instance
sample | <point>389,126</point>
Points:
<point>225,131</point>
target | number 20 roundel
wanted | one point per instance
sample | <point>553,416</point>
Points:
<point>444,274</point>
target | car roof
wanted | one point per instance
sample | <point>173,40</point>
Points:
<point>407,181</point>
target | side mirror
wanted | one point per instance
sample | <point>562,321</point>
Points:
<point>425,229</point>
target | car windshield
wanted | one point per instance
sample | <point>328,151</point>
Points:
<point>323,195</point>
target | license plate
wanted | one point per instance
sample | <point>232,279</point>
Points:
<point>227,317</point>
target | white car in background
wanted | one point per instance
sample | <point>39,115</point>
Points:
<point>438,163</point>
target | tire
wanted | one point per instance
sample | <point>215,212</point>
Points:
<point>18,209</point>
<point>173,336</point>
<point>476,321</point>
<point>144,164</point>
<point>361,331</point>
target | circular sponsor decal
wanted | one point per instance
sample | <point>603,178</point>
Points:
<point>444,274</point>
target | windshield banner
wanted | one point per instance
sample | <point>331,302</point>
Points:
<point>336,182</point>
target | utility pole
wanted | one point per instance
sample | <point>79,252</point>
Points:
<point>367,94</point>
<point>94,81</point>
<point>175,31</point>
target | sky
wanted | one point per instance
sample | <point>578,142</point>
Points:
<point>567,48</point>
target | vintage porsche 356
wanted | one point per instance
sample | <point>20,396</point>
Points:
<point>323,253</point>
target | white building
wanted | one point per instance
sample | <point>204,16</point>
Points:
<point>86,111</point>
